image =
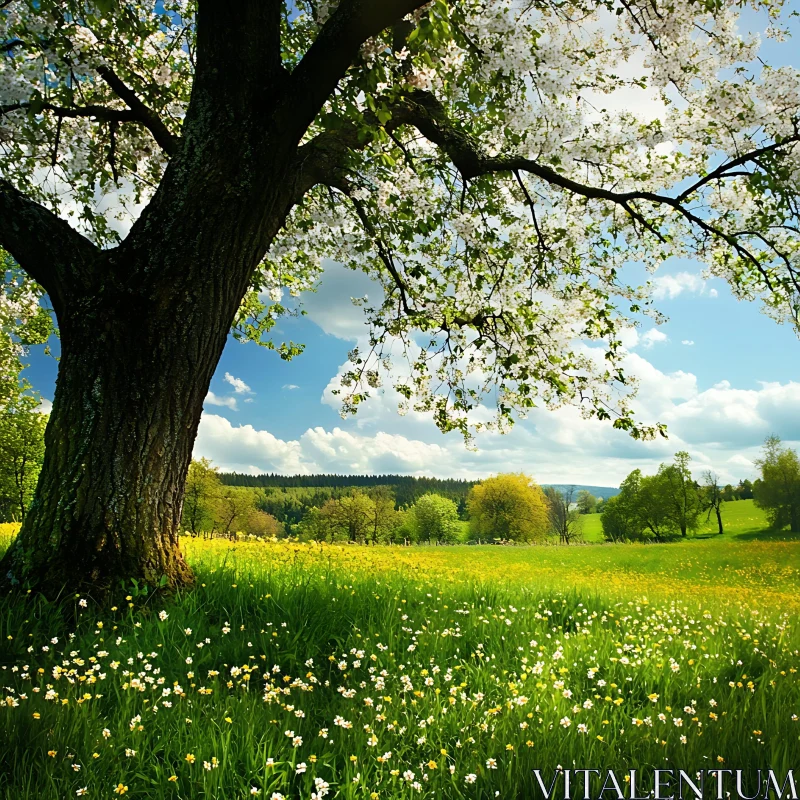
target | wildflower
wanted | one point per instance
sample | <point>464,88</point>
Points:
<point>255,791</point>
<point>162,615</point>
<point>121,789</point>
<point>491,763</point>
<point>301,768</point>
<point>82,603</point>
<point>471,778</point>
<point>172,778</point>
<point>190,757</point>
<point>106,733</point>
<point>129,753</point>
<point>52,753</point>
<point>432,765</point>
<point>81,792</point>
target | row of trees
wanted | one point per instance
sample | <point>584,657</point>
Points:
<point>657,507</point>
<point>211,508</point>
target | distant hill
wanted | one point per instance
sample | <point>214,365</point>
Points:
<point>598,491</point>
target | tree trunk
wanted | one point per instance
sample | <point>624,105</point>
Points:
<point>132,379</point>
<point>719,520</point>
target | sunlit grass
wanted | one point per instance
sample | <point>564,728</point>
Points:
<point>444,662</point>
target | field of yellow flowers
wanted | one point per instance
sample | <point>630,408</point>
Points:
<point>300,671</point>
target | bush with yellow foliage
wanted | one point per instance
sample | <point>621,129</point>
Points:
<point>509,506</point>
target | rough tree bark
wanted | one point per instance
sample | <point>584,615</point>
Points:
<point>143,325</point>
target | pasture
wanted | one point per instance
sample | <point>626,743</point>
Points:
<point>308,671</point>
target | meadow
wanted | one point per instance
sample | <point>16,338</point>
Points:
<point>312,671</point>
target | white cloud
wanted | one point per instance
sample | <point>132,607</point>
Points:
<point>239,386</point>
<point>688,342</point>
<point>668,287</point>
<point>290,386</point>
<point>214,400</point>
<point>651,337</point>
<point>242,448</point>
<point>331,306</point>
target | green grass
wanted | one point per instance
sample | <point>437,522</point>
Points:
<point>288,638</point>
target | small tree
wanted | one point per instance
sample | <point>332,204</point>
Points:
<point>565,521</point>
<point>348,517</point>
<point>509,506</point>
<point>654,508</point>
<point>21,455</point>
<point>587,502</point>
<point>233,505</point>
<point>640,512</point>
<point>203,487</point>
<point>712,497</point>
<point>259,523</point>
<point>684,504</point>
<point>778,491</point>
<point>434,518</point>
<point>383,514</point>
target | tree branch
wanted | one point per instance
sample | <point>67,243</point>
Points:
<point>424,112</point>
<point>53,253</point>
<point>163,137</point>
<point>334,50</point>
<point>142,113</point>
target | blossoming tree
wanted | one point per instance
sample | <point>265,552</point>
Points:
<point>457,151</point>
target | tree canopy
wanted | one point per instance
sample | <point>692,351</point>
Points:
<point>778,491</point>
<point>458,152</point>
<point>508,506</point>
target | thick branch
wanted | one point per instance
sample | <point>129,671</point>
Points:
<point>335,50</point>
<point>53,253</point>
<point>142,113</point>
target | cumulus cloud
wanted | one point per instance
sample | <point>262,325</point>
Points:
<point>332,308</point>
<point>290,386</point>
<point>668,287</point>
<point>688,342</point>
<point>239,386</point>
<point>215,400</point>
<point>242,448</point>
<point>651,337</point>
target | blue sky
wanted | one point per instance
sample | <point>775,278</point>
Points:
<point>720,395</point>
<point>720,374</point>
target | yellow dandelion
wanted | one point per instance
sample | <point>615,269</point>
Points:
<point>432,765</point>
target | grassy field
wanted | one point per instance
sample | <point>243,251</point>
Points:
<point>331,671</point>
